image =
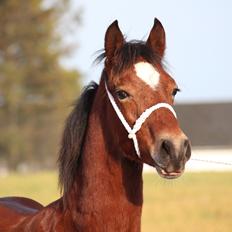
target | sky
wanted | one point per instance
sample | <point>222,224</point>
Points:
<point>198,33</point>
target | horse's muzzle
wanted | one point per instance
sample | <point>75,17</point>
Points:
<point>171,155</point>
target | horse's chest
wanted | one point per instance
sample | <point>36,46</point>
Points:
<point>110,219</point>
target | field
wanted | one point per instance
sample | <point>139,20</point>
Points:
<point>194,202</point>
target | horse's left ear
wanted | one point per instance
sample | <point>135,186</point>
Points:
<point>113,40</point>
<point>156,39</point>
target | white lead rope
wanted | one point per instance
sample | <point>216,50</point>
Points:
<point>138,123</point>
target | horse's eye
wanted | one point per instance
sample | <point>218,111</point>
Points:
<point>121,94</point>
<point>175,91</point>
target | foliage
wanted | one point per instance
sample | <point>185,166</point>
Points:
<point>35,89</point>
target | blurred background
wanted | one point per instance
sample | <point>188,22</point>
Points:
<point>47,49</point>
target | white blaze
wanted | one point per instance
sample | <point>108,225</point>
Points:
<point>147,73</point>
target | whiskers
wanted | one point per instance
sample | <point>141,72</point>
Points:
<point>159,183</point>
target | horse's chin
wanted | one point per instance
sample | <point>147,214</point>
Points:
<point>168,175</point>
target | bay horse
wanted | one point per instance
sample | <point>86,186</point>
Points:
<point>115,127</point>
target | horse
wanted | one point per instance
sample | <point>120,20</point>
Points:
<point>115,127</point>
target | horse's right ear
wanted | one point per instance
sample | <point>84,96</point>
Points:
<point>113,40</point>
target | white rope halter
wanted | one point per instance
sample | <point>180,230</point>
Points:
<point>138,123</point>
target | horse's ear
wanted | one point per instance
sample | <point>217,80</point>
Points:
<point>113,40</point>
<point>156,39</point>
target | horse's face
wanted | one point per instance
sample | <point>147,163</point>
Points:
<point>135,88</point>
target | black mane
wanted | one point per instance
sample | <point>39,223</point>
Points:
<point>129,54</point>
<point>73,135</point>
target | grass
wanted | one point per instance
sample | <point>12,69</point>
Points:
<point>194,202</point>
<point>41,186</point>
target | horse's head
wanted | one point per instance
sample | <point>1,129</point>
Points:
<point>141,94</point>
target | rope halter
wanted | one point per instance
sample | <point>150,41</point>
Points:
<point>139,122</point>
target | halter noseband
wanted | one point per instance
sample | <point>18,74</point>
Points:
<point>138,123</point>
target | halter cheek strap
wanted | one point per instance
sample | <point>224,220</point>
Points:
<point>138,123</point>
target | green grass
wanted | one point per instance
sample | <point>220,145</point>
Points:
<point>194,202</point>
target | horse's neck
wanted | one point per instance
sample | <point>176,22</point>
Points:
<point>108,187</point>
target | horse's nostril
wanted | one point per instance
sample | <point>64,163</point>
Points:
<point>187,149</point>
<point>166,146</point>
<point>186,143</point>
<point>174,149</point>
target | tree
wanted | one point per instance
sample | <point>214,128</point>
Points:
<point>35,89</point>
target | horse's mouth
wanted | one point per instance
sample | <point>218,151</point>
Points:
<point>168,175</point>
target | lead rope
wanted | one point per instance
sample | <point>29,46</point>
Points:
<point>212,161</point>
<point>138,123</point>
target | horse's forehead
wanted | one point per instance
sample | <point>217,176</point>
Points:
<point>147,73</point>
